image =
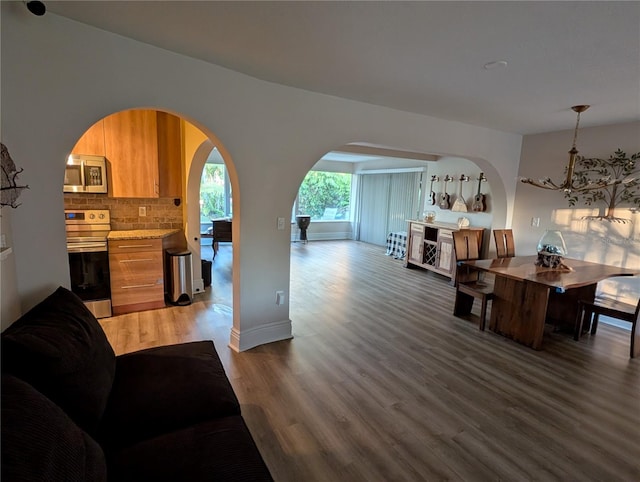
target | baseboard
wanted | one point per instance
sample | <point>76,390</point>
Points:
<point>247,339</point>
<point>323,236</point>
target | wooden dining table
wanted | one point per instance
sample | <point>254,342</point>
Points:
<point>527,296</point>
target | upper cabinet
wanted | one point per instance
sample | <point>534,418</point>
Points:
<point>169,155</point>
<point>92,142</point>
<point>144,151</point>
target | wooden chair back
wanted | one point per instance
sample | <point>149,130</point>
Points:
<point>505,246</point>
<point>469,282</point>
<point>465,247</point>
<point>465,244</point>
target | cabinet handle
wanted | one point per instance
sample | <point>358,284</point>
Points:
<point>123,246</point>
<point>137,286</point>
<point>135,260</point>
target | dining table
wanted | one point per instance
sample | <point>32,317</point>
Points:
<point>527,296</point>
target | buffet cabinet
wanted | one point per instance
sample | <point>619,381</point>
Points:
<point>430,246</point>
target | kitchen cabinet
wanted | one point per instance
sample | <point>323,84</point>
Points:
<point>144,152</point>
<point>137,275</point>
<point>430,246</point>
<point>137,267</point>
<point>169,155</point>
<point>131,143</point>
<point>92,141</point>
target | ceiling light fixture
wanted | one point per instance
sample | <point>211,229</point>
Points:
<point>573,183</point>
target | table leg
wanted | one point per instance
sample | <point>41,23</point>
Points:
<point>519,310</point>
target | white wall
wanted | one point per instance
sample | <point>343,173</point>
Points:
<point>455,167</point>
<point>59,77</point>
<point>9,299</point>
<point>605,242</point>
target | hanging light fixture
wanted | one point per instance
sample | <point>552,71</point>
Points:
<point>570,184</point>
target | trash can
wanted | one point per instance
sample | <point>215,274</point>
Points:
<point>179,278</point>
<point>206,272</point>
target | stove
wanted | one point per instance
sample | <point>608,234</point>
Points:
<point>87,232</point>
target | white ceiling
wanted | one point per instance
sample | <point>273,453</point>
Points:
<point>423,57</point>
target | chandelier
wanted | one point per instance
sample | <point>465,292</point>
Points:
<point>571,184</point>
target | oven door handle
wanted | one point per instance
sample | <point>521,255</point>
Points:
<point>86,247</point>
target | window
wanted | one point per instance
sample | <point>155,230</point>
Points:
<point>325,196</point>
<point>215,193</point>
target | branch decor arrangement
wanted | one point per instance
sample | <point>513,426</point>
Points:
<point>10,188</point>
<point>620,170</point>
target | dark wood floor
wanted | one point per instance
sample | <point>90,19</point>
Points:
<point>382,383</point>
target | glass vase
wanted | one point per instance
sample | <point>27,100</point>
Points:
<point>551,249</point>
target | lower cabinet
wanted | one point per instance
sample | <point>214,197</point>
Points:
<point>430,246</point>
<point>137,275</point>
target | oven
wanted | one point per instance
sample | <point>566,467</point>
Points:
<point>87,233</point>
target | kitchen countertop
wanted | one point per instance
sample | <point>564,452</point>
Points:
<point>141,234</point>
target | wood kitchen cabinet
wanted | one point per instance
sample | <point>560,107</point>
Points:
<point>92,141</point>
<point>131,143</point>
<point>430,246</point>
<point>169,155</point>
<point>144,151</point>
<point>137,275</point>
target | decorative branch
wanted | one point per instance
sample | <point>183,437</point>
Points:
<point>618,168</point>
<point>10,190</point>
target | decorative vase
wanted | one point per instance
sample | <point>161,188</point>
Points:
<point>551,249</point>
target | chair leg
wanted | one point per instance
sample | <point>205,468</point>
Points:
<point>634,349</point>
<point>577,331</point>
<point>463,304</point>
<point>594,323</point>
<point>483,313</point>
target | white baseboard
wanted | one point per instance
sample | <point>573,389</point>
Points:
<point>323,237</point>
<point>246,339</point>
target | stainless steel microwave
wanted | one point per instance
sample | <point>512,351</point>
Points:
<point>85,174</point>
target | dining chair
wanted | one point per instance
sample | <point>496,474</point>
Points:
<point>591,311</point>
<point>505,246</point>
<point>469,282</point>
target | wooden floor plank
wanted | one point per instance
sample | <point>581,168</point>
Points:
<point>381,382</point>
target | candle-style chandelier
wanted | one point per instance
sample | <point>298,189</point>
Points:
<point>573,183</point>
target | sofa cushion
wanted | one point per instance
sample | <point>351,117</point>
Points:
<point>220,449</point>
<point>166,388</point>
<point>60,348</point>
<point>40,442</point>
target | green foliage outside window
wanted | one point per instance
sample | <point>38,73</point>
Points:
<point>325,195</point>
<point>212,201</point>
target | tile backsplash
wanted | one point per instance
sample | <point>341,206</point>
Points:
<point>162,213</point>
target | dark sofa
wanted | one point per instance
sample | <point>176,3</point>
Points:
<point>73,411</point>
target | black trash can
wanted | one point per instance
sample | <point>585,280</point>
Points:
<point>206,272</point>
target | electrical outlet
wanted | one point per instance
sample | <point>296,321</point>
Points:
<point>280,298</point>
<point>280,224</point>
<point>535,222</point>
<point>3,241</point>
<point>142,211</point>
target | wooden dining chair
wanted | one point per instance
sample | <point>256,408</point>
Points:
<point>469,283</point>
<point>591,311</point>
<point>505,246</point>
